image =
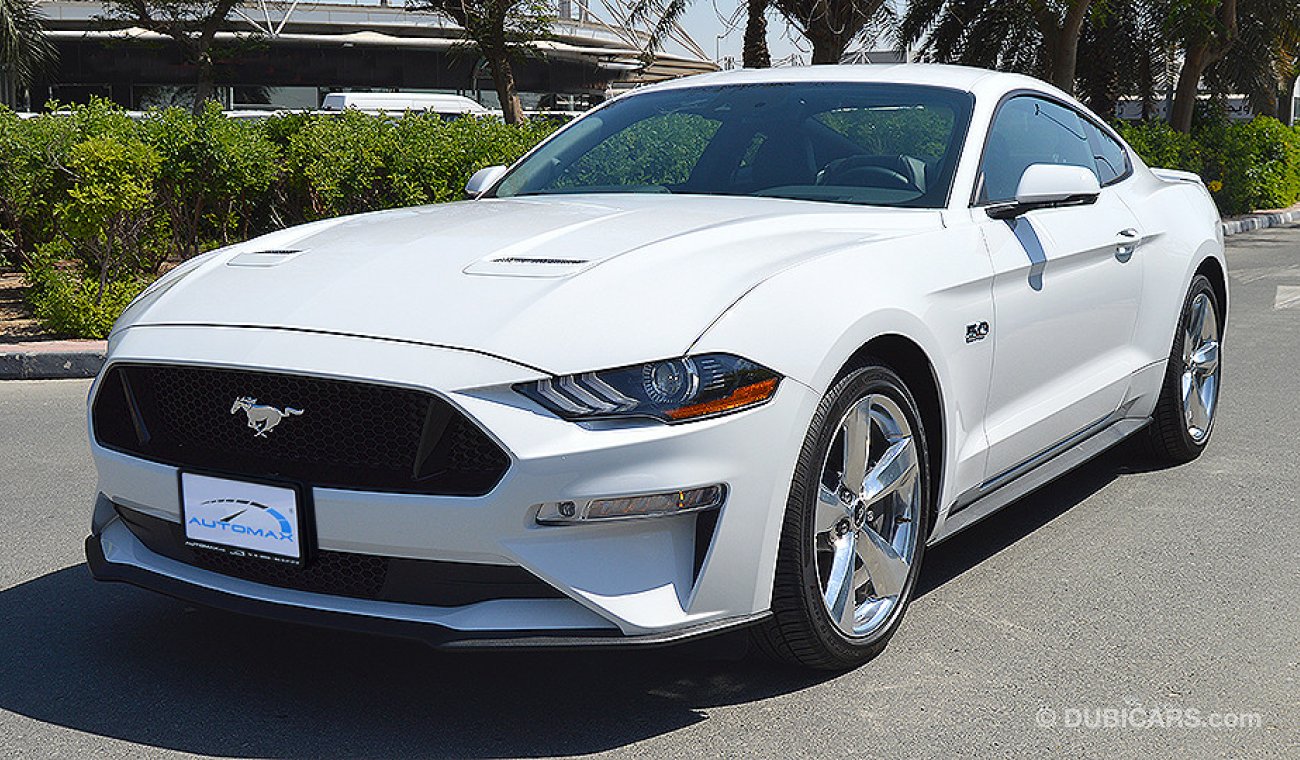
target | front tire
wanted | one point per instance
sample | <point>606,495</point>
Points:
<point>855,526</point>
<point>1189,398</point>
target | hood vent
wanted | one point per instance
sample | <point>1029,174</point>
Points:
<point>262,258</point>
<point>526,260</point>
<point>529,266</point>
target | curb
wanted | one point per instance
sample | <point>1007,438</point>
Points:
<point>53,360</point>
<point>1261,221</point>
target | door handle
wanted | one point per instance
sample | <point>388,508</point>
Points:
<point>1124,251</point>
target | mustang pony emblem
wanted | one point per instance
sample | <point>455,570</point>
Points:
<point>262,418</point>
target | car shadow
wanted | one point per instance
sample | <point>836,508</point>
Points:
<point>1019,519</point>
<point>119,662</point>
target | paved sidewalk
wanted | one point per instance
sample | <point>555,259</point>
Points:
<point>52,359</point>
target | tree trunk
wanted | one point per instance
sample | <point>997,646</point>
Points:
<point>1189,78</point>
<point>204,86</point>
<point>1061,41</point>
<point>1286,99</point>
<point>755,54</point>
<point>503,77</point>
<point>827,47</point>
<point>1198,57</point>
<point>1064,60</point>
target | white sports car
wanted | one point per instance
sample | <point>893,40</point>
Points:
<point>726,351</point>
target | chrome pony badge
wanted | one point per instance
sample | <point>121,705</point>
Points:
<point>262,418</point>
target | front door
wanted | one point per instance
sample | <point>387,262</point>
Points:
<point>1066,291</point>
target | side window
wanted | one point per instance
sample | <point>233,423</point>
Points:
<point>1111,160</point>
<point>1027,131</point>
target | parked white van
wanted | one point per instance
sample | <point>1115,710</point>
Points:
<point>400,102</point>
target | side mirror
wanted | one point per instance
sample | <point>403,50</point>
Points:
<point>1049,186</point>
<point>482,180</point>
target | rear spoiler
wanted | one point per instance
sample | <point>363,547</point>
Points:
<point>1174,175</point>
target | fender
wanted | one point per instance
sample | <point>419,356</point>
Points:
<point>812,319</point>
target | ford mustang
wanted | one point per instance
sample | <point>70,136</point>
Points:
<point>727,351</point>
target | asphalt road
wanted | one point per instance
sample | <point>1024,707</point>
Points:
<point>1117,589</point>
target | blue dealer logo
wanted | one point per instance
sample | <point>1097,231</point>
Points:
<point>235,522</point>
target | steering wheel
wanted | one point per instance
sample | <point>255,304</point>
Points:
<point>855,172</point>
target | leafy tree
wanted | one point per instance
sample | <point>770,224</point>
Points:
<point>24,48</point>
<point>192,24</point>
<point>1039,37</point>
<point>107,220</point>
<point>214,176</point>
<point>502,30</point>
<point>1264,61</point>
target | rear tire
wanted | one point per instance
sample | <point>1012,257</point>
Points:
<point>1184,415</point>
<point>850,554</point>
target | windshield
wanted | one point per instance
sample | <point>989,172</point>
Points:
<point>869,144</point>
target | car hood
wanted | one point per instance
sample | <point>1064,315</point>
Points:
<point>558,283</point>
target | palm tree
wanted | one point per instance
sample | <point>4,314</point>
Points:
<point>24,49</point>
<point>755,54</point>
<point>1124,51</point>
<point>502,31</point>
<point>832,25</point>
<point>1264,62</point>
<point>1039,37</point>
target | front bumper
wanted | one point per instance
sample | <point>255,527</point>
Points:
<point>630,582</point>
<point>325,612</point>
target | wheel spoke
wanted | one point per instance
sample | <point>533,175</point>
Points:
<point>857,446</point>
<point>829,510</point>
<point>1198,416</point>
<point>1206,358</point>
<point>1205,397</point>
<point>841,600</point>
<point>1209,325</point>
<point>888,571</point>
<point>894,469</point>
<point>1196,325</point>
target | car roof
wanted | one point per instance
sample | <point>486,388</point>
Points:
<point>967,78</point>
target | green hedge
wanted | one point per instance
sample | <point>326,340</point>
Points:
<point>1246,165</point>
<point>93,202</point>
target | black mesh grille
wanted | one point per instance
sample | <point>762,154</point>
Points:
<point>361,576</point>
<point>337,573</point>
<point>345,434</point>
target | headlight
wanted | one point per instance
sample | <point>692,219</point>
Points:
<point>672,390</point>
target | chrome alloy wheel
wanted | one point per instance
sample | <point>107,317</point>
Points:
<point>1200,381</point>
<point>865,530</point>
